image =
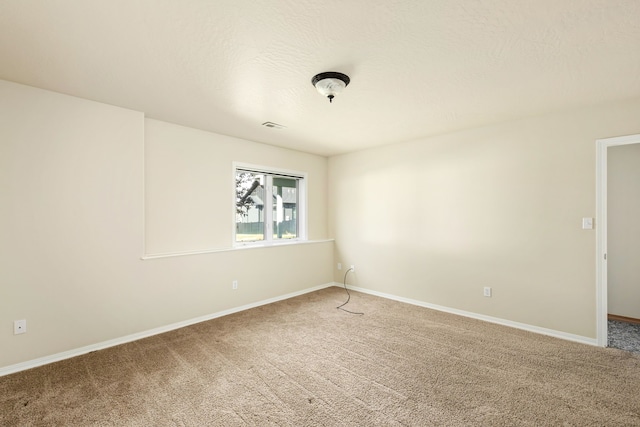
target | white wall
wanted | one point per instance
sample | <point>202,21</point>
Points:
<point>71,226</point>
<point>438,219</point>
<point>189,188</point>
<point>623,240</point>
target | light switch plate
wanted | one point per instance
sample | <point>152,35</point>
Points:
<point>587,223</point>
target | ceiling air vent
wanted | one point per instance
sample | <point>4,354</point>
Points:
<point>273,125</point>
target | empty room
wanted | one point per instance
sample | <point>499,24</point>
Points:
<point>297,213</point>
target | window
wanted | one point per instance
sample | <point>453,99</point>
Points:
<point>269,205</point>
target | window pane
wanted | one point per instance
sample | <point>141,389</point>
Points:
<point>285,208</point>
<point>249,206</point>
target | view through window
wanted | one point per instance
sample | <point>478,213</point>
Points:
<point>267,206</point>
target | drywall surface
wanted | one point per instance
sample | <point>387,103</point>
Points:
<point>623,230</point>
<point>439,219</point>
<point>71,230</point>
<point>190,186</point>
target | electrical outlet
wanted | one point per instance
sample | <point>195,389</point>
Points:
<point>234,284</point>
<point>353,268</point>
<point>339,266</point>
<point>19,327</point>
<point>487,291</point>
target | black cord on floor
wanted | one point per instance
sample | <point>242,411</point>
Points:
<point>344,282</point>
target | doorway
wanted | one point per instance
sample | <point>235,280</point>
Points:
<point>602,235</point>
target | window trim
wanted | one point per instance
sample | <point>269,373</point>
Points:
<point>302,201</point>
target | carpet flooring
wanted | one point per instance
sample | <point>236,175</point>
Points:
<point>301,362</point>
<point>624,335</point>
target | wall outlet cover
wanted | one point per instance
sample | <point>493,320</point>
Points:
<point>19,327</point>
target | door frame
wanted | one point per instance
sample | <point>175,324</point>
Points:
<point>602,145</point>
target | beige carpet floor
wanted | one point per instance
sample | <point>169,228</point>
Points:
<point>301,362</point>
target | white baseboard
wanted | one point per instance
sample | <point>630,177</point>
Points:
<point>144,334</point>
<point>517,325</point>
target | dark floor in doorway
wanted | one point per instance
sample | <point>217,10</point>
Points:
<point>625,336</point>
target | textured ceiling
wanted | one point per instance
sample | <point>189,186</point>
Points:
<point>417,68</point>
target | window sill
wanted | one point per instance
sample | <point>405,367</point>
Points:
<point>239,247</point>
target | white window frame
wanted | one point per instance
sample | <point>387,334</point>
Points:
<point>268,209</point>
